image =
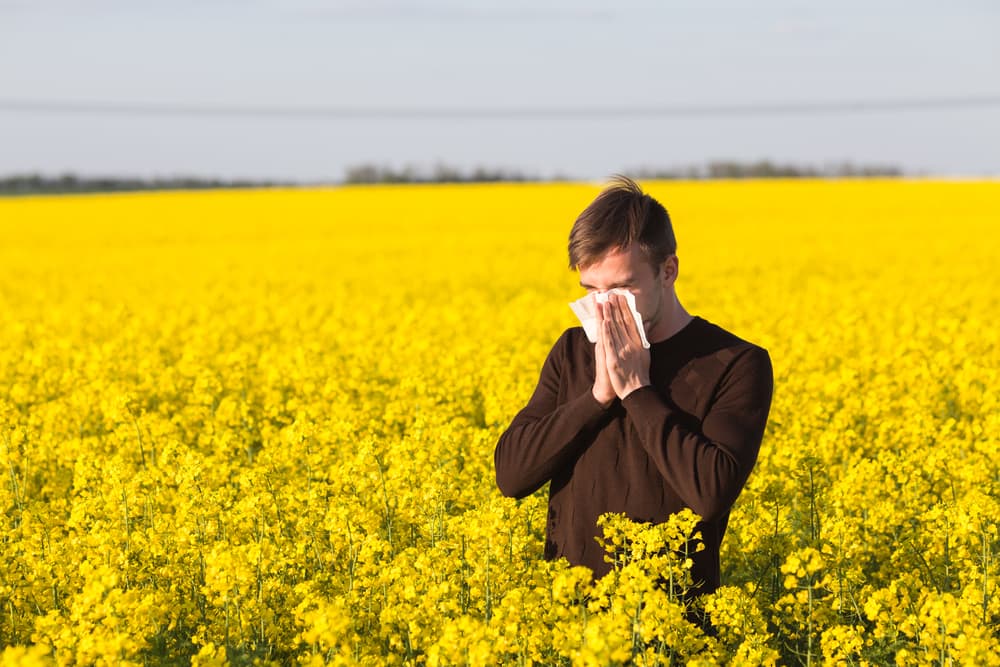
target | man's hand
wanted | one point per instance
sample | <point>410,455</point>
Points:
<point>625,359</point>
<point>603,390</point>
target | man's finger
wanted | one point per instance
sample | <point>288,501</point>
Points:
<point>622,311</point>
<point>621,323</point>
<point>616,335</point>
<point>609,339</point>
<point>629,329</point>
<point>599,363</point>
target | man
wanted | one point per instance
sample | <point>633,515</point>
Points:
<point>615,427</point>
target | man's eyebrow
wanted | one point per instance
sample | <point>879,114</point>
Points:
<point>628,281</point>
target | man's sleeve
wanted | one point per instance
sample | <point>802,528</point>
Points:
<point>544,436</point>
<point>708,467</point>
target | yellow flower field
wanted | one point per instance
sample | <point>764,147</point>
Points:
<point>257,427</point>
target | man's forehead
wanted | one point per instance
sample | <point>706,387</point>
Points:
<point>623,265</point>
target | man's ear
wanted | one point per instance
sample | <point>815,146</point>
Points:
<point>670,267</point>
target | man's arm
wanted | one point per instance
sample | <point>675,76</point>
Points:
<point>544,436</point>
<point>708,469</point>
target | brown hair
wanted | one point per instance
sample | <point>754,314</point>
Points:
<point>620,215</point>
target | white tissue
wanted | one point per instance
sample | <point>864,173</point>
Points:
<point>586,310</point>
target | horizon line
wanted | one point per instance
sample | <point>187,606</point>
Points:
<point>418,113</point>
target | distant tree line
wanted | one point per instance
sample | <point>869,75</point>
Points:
<point>765,169</point>
<point>24,184</point>
<point>370,173</point>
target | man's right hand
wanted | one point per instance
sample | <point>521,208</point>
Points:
<point>603,391</point>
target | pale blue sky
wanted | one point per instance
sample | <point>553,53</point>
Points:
<point>584,55</point>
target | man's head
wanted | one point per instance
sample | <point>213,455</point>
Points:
<point>621,215</point>
<point>624,239</point>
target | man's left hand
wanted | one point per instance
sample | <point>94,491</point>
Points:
<point>627,360</point>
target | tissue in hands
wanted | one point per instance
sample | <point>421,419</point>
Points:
<point>586,310</point>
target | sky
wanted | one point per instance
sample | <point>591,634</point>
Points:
<point>579,89</point>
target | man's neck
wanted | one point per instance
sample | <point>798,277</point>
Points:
<point>676,318</point>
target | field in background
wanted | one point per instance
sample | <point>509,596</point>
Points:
<point>259,425</point>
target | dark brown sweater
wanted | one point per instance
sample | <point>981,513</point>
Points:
<point>688,440</point>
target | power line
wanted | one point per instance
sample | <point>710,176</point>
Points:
<point>420,113</point>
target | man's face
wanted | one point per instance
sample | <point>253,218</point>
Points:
<point>629,269</point>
